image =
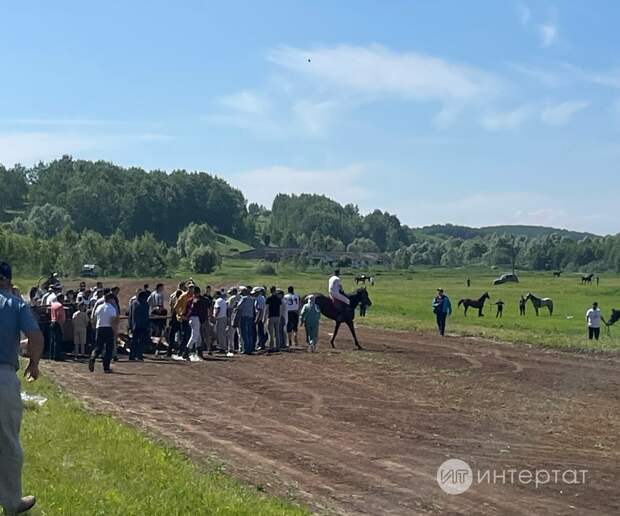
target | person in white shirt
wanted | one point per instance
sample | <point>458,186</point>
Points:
<point>220,314</point>
<point>336,292</point>
<point>105,315</point>
<point>594,318</point>
<point>291,300</point>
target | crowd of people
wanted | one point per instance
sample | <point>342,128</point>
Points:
<point>186,325</point>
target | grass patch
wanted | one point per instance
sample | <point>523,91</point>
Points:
<point>81,463</point>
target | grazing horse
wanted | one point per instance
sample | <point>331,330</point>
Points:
<point>587,279</point>
<point>475,303</point>
<point>359,297</point>
<point>538,302</point>
<point>363,278</point>
<point>557,274</point>
<point>615,317</point>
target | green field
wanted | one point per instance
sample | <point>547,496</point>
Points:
<point>81,463</point>
<point>402,300</point>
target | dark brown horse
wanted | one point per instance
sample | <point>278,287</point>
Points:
<point>475,303</point>
<point>587,279</point>
<point>345,315</point>
<point>557,274</point>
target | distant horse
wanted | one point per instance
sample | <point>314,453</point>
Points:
<point>538,302</point>
<point>587,279</point>
<point>359,297</point>
<point>475,303</point>
<point>615,316</point>
<point>363,278</point>
<point>557,274</point>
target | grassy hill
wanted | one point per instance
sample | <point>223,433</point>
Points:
<point>228,246</point>
<point>466,232</point>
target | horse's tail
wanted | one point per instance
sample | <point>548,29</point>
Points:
<point>461,302</point>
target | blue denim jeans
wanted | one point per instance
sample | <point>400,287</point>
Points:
<point>246,325</point>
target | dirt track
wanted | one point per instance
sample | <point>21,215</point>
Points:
<point>363,432</point>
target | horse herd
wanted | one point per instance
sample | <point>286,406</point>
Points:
<point>537,303</point>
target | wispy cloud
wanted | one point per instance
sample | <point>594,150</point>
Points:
<point>524,14</point>
<point>506,120</point>
<point>30,147</point>
<point>246,102</point>
<point>545,76</point>
<point>60,122</point>
<point>560,114</point>
<point>342,184</point>
<point>548,33</point>
<point>377,71</point>
<point>315,117</point>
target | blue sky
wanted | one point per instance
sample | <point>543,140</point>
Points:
<point>477,113</point>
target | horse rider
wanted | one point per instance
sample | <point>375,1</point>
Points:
<point>336,293</point>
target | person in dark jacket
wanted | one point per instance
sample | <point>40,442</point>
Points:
<point>442,308</point>
<point>139,323</point>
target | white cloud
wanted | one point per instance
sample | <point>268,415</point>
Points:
<point>314,117</point>
<point>263,184</point>
<point>506,120</point>
<point>560,114</point>
<point>376,71</point>
<point>246,102</point>
<point>548,34</point>
<point>524,14</point>
<point>30,147</point>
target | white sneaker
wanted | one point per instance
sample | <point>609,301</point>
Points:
<point>229,354</point>
<point>177,357</point>
<point>194,358</point>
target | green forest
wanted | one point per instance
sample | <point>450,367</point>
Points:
<point>65,213</point>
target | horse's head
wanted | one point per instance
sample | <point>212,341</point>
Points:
<point>364,297</point>
<point>529,296</point>
<point>615,316</point>
<point>486,296</point>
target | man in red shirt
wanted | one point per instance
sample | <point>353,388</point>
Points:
<point>58,318</point>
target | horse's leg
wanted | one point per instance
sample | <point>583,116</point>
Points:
<point>536,309</point>
<point>338,323</point>
<point>480,314</point>
<point>466,307</point>
<point>352,328</point>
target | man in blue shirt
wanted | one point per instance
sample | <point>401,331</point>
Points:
<point>15,317</point>
<point>442,308</point>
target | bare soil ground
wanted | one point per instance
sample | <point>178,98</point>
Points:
<point>363,432</point>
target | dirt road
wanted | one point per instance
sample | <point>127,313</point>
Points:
<point>364,432</point>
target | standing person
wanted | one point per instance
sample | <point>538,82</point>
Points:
<point>594,318</point>
<point>442,308</point>
<point>233,330</point>
<point>117,304</point>
<point>147,289</point>
<point>58,318</point>
<point>310,320</point>
<point>15,317</point>
<point>500,308</point>
<point>180,310</point>
<point>273,319</point>
<point>105,316</point>
<point>245,311</point>
<point>157,310</point>
<point>175,326</point>
<point>260,306</point>
<point>598,279</point>
<point>336,292</point>
<point>197,314</point>
<point>220,314</point>
<point>292,306</point>
<point>522,303</point>
<point>139,323</point>
<point>283,320</point>
<point>469,282</point>
<point>80,330</point>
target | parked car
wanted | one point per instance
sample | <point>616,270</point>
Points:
<point>506,278</point>
<point>89,271</point>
